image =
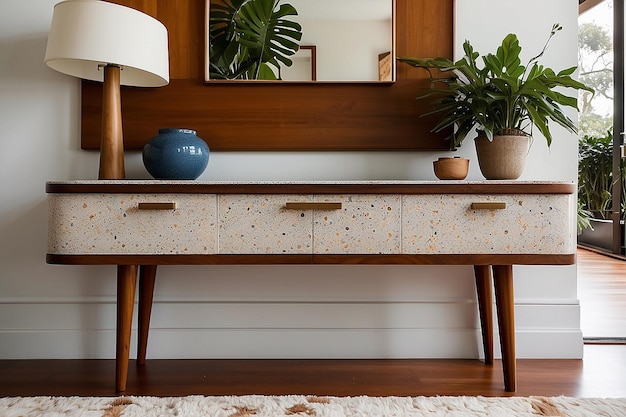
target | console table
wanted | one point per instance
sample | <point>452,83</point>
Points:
<point>138,225</point>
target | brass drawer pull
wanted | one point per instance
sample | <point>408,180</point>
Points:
<point>489,205</point>
<point>157,206</point>
<point>313,205</point>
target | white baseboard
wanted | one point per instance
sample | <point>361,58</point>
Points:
<point>287,344</point>
<point>450,329</point>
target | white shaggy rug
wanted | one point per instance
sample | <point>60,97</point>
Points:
<point>306,406</point>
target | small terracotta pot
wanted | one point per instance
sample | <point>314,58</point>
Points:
<point>451,168</point>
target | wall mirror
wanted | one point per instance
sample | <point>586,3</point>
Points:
<point>328,40</point>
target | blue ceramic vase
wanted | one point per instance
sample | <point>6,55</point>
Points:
<point>176,154</point>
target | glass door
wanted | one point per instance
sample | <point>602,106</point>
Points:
<point>601,167</point>
<point>601,171</point>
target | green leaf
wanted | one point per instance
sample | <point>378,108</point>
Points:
<point>260,33</point>
<point>501,94</point>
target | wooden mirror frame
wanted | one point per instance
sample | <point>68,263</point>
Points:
<point>285,117</point>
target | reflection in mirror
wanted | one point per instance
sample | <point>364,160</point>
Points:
<point>304,66</point>
<point>328,40</point>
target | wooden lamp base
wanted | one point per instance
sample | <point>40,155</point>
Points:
<point>112,139</point>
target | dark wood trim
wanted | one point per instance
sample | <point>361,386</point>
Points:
<point>618,124</point>
<point>147,281</point>
<point>272,117</point>
<point>192,187</point>
<point>449,259</point>
<point>165,259</point>
<point>126,286</point>
<point>584,5</point>
<point>252,259</point>
<point>483,277</point>
<point>505,306</point>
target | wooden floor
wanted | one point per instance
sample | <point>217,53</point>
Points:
<point>602,372</point>
<point>602,295</point>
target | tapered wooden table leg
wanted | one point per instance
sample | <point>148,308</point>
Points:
<point>147,278</point>
<point>485,308</point>
<point>126,283</point>
<point>505,306</point>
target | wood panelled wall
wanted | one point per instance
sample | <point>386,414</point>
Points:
<point>287,116</point>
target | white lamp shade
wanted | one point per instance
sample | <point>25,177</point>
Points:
<point>87,34</point>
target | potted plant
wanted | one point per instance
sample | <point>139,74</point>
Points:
<point>595,190</point>
<point>500,98</point>
<point>251,39</point>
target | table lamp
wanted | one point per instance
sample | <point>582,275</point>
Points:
<point>101,41</point>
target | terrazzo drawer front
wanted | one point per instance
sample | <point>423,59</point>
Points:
<point>117,224</point>
<point>263,224</point>
<point>260,224</point>
<point>359,224</point>
<point>529,224</point>
<point>365,224</point>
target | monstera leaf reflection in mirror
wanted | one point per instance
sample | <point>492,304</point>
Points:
<point>251,39</point>
<point>307,40</point>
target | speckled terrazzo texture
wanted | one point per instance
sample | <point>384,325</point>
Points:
<point>113,224</point>
<point>260,224</point>
<point>447,224</point>
<point>366,224</point>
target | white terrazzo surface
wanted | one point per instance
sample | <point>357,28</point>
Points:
<point>259,224</point>
<point>530,224</point>
<point>112,224</point>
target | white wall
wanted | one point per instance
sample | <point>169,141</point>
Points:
<point>49,311</point>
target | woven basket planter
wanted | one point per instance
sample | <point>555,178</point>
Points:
<point>502,158</point>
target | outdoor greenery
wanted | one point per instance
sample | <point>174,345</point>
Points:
<point>500,95</point>
<point>595,64</point>
<point>251,39</point>
<point>595,176</point>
